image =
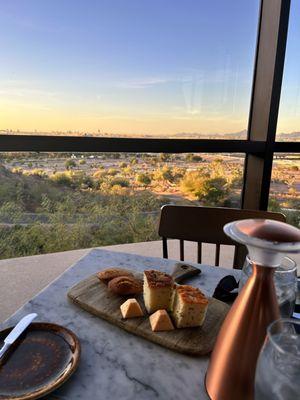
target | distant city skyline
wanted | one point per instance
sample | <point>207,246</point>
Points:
<point>137,67</point>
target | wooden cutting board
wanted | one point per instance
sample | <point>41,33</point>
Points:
<point>94,297</point>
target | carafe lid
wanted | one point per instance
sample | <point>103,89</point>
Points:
<point>267,240</point>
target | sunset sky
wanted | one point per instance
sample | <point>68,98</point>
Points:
<point>136,66</point>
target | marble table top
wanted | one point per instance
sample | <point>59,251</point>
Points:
<point>116,364</point>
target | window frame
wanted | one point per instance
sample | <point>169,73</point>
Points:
<point>260,145</point>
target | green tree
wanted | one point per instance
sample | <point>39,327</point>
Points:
<point>193,158</point>
<point>119,181</point>
<point>214,191</point>
<point>70,164</point>
<point>62,178</point>
<point>163,174</point>
<point>211,191</point>
<point>143,179</point>
<point>164,157</point>
<point>112,171</point>
<point>274,205</point>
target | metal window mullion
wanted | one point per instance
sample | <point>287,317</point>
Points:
<point>267,80</point>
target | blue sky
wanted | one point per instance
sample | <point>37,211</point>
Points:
<point>135,66</point>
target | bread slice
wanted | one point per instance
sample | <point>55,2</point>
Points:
<point>189,306</point>
<point>158,288</point>
<point>131,309</point>
<point>160,321</point>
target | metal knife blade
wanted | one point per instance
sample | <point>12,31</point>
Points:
<point>183,271</point>
<point>296,315</point>
<point>17,331</point>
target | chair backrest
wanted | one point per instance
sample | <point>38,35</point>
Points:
<point>205,225</point>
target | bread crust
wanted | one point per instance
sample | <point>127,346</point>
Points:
<point>191,295</point>
<point>110,273</point>
<point>125,285</point>
<point>157,279</point>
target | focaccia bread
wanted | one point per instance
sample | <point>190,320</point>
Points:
<point>158,288</point>
<point>189,306</point>
<point>110,273</point>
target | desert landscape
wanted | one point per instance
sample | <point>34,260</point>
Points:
<point>61,201</point>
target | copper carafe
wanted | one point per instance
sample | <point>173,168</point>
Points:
<point>231,372</point>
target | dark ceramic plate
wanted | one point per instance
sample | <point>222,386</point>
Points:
<point>41,360</point>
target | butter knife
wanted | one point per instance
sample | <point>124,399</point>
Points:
<point>16,332</point>
<point>183,271</point>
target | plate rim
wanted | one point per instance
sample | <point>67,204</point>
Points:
<point>48,326</point>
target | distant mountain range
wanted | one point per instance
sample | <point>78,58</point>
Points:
<point>293,136</point>
<point>285,137</point>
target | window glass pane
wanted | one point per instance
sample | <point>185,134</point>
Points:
<point>288,128</point>
<point>167,68</point>
<point>285,187</point>
<point>52,202</point>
